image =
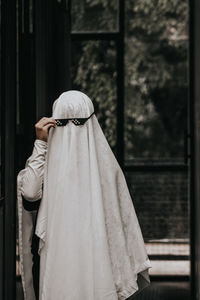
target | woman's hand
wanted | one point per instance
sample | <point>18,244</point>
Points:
<point>42,128</point>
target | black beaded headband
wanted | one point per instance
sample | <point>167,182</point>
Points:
<point>76,121</point>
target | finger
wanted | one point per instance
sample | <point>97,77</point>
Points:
<point>46,127</point>
<point>45,121</point>
<point>51,119</point>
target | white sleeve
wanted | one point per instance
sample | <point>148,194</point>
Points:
<point>34,171</point>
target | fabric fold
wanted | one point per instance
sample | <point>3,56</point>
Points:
<point>26,221</point>
<point>91,245</point>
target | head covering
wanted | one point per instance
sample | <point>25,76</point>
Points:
<point>91,245</point>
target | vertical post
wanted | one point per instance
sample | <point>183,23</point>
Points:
<point>195,147</point>
<point>26,83</point>
<point>120,87</point>
<point>61,46</point>
<point>43,54</point>
<point>52,42</point>
<point>8,86</point>
<point>1,157</point>
<point>1,251</point>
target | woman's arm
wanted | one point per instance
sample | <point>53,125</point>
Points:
<point>32,180</point>
<point>34,170</point>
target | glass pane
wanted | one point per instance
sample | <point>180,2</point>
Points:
<point>94,16</point>
<point>156,80</point>
<point>161,203</point>
<point>93,71</point>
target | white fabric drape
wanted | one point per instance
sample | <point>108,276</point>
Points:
<point>91,245</point>
<point>29,185</point>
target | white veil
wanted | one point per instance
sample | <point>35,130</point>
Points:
<point>91,246</point>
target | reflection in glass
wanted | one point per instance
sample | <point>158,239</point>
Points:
<point>94,16</point>
<point>156,80</point>
<point>93,71</point>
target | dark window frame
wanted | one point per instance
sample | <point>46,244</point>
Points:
<point>118,37</point>
<point>183,167</point>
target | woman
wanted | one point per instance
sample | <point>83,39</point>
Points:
<point>90,243</point>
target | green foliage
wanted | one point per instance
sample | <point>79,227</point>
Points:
<point>95,75</point>
<point>156,73</point>
<point>94,15</point>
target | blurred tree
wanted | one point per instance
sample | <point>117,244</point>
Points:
<point>156,79</point>
<point>156,83</point>
<point>94,72</point>
<point>94,15</point>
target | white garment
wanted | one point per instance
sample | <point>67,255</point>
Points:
<point>91,246</point>
<point>34,171</point>
<point>29,184</point>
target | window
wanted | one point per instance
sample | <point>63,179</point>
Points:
<point>131,59</point>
